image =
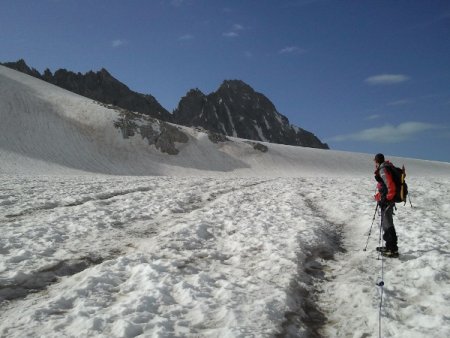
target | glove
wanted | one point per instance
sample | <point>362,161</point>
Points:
<point>377,197</point>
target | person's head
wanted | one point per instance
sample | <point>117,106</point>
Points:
<point>378,159</point>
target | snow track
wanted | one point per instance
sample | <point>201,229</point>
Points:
<point>306,317</point>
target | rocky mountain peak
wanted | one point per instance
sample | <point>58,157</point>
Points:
<point>22,67</point>
<point>236,109</point>
<point>195,93</point>
<point>235,86</point>
<point>104,72</point>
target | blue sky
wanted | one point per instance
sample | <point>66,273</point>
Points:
<point>365,76</point>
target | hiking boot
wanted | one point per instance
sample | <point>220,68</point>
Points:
<point>390,254</point>
<point>382,249</point>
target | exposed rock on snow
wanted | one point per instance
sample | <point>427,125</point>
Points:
<point>163,135</point>
<point>259,146</point>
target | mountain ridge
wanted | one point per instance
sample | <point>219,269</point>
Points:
<point>234,109</point>
<point>100,86</point>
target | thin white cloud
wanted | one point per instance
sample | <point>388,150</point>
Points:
<point>400,102</point>
<point>388,133</point>
<point>291,50</point>
<point>386,79</point>
<point>117,43</point>
<point>374,117</point>
<point>430,96</point>
<point>230,35</point>
<point>233,33</point>
<point>237,27</point>
<point>186,37</point>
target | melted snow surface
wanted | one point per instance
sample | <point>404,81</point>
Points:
<point>214,257</point>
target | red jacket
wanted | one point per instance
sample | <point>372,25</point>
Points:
<point>386,185</point>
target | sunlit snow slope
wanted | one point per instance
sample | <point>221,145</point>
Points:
<point>48,130</point>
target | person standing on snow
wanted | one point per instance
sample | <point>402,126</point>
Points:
<point>385,199</point>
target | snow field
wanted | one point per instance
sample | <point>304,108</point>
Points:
<point>164,257</point>
<point>157,256</point>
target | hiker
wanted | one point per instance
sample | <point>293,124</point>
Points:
<point>385,198</point>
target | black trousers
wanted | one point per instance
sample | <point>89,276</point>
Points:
<point>387,223</point>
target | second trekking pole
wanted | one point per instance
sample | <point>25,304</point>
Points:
<point>370,230</point>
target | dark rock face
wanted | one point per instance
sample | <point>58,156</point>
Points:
<point>22,67</point>
<point>103,87</point>
<point>235,109</point>
<point>100,86</point>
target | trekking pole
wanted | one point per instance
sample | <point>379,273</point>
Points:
<point>381,282</point>
<point>409,197</point>
<point>370,230</point>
